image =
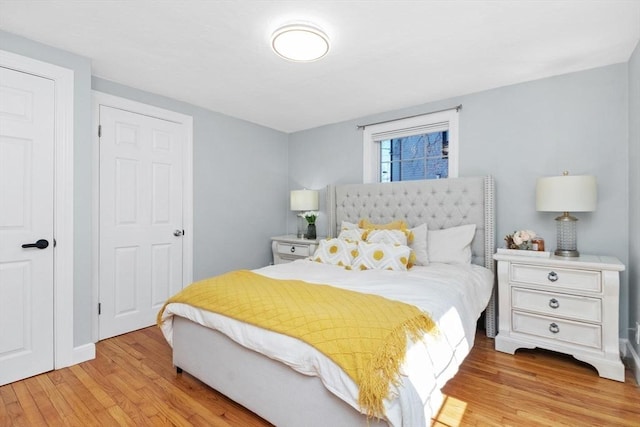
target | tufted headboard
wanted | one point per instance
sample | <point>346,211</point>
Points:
<point>440,203</point>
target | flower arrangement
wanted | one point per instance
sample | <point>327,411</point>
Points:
<point>310,216</point>
<point>521,239</point>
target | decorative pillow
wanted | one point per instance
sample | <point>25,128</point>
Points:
<point>419,244</point>
<point>392,237</point>
<point>346,225</point>
<point>395,225</point>
<point>336,252</point>
<point>451,245</point>
<point>381,256</point>
<point>353,234</point>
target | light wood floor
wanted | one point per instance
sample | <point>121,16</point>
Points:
<point>132,382</point>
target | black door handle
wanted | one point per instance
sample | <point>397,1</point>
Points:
<point>40,244</point>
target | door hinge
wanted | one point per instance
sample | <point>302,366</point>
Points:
<point>99,131</point>
<point>99,309</point>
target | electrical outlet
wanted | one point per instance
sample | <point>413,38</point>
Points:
<point>637,333</point>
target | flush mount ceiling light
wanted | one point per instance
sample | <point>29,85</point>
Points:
<point>300,42</point>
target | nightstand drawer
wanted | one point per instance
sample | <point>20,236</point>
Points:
<point>293,250</point>
<point>561,305</point>
<point>562,278</point>
<point>583,334</point>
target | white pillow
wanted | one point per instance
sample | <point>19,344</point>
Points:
<point>381,256</point>
<point>419,244</point>
<point>352,234</point>
<point>451,245</point>
<point>335,251</point>
<point>346,225</point>
<point>392,237</point>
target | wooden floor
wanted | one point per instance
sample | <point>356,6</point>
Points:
<point>132,383</point>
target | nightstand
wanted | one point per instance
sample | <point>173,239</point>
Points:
<point>290,248</point>
<point>568,305</point>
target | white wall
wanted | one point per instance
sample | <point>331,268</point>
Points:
<point>577,122</point>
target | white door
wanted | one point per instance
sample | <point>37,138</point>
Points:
<point>141,218</point>
<point>26,217</point>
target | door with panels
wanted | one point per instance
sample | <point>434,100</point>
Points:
<point>140,216</point>
<point>26,225</point>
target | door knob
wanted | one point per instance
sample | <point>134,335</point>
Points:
<point>40,244</point>
<point>178,233</point>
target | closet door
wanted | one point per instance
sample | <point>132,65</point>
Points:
<point>26,225</point>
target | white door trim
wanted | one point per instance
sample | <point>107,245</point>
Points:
<point>101,98</point>
<point>63,79</point>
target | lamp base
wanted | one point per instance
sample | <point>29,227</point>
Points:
<point>566,253</point>
<point>567,236</point>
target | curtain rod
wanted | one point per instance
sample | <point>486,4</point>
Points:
<point>457,108</point>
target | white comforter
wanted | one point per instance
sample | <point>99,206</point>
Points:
<point>454,296</point>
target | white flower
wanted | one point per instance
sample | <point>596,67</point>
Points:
<point>522,238</point>
<point>310,216</point>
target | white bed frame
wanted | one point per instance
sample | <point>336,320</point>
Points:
<point>287,398</point>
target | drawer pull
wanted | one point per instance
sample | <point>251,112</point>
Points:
<point>553,276</point>
<point>293,249</point>
<point>553,303</point>
<point>554,328</point>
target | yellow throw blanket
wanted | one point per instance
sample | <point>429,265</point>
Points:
<point>366,335</point>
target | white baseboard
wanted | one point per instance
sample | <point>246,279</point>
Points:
<point>83,353</point>
<point>631,358</point>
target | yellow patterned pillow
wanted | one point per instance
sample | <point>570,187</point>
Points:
<point>394,225</point>
<point>381,256</point>
<point>335,251</point>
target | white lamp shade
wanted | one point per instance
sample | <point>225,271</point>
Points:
<point>304,200</point>
<point>566,193</point>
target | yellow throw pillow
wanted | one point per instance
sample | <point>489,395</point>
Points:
<point>381,256</point>
<point>395,225</point>
<point>336,252</point>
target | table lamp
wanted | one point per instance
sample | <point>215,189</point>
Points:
<point>303,200</point>
<point>566,193</point>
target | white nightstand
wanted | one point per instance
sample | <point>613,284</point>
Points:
<point>290,248</point>
<point>569,305</point>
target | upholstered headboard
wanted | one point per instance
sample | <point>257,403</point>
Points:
<point>440,203</point>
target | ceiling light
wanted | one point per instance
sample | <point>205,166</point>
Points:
<point>300,42</point>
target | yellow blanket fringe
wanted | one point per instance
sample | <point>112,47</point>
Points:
<point>366,335</point>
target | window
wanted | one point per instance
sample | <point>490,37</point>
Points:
<point>421,147</point>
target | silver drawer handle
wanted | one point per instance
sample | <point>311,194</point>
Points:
<point>553,303</point>
<point>293,249</point>
<point>553,276</point>
<point>554,328</point>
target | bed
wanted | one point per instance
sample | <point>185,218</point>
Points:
<point>253,370</point>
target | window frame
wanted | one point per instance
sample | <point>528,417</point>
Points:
<point>425,123</point>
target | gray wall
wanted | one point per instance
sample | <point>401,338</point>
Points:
<point>634,194</point>
<point>240,181</point>
<point>518,133</point>
<point>240,184</point>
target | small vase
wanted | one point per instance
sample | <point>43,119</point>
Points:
<point>311,232</point>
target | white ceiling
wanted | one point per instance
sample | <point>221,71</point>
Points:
<point>385,55</point>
